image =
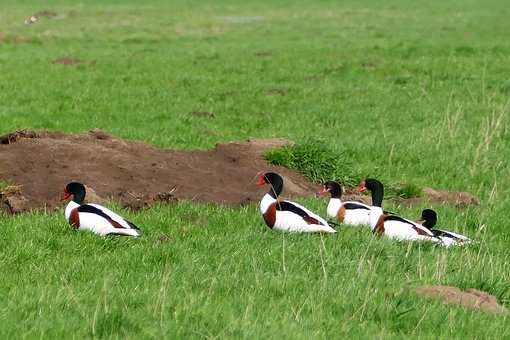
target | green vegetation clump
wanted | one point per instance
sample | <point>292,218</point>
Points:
<point>7,187</point>
<point>3,186</point>
<point>316,161</point>
<point>320,163</point>
<point>407,190</point>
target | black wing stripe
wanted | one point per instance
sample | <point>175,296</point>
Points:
<point>287,206</point>
<point>132,225</point>
<point>350,205</point>
<point>443,233</point>
<point>397,218</point>
<point>85,208</point>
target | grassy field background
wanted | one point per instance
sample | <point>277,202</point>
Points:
<point>412,92</point>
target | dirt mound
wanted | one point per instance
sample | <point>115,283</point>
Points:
<point>460,199</point>
<point>471,298</point>
<point>430,196</point>
<point>67,61</point>
<point>39,164</point>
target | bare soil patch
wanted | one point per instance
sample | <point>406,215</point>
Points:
<point>67,61</point>
<point>46,14</point>
<point>263,54</point>
<point>15,39</point>
<point>137,175</point>
<point>277,92</point>
<point>203,114</point>
<point>471,298</point>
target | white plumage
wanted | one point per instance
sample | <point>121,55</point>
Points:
<point>94,217</point>
<point>286,215</point>
<point>346,212</point>
<point>402,229</point>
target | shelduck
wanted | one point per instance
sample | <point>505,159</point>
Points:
<point>396,227</point>
<point>429,219</point>
<point>348,212</point>
<point>286,215</point>
<point>94,217</point>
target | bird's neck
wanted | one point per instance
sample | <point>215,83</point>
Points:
<point>70,206</point>
<point>79,197</point>
<point>275,189</point>
<point>333,206</point>
<point>375,213</point>
<point>377,196</point>
<point>266,202</point>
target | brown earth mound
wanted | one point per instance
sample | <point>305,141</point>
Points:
<point>67,61</point>
<point>39,164</point>
<point>460,199</point>
<point>471,298</point>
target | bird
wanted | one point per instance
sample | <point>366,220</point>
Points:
<point>396,227</point>
<point>346,212</point>
<point>285,215</point>
<point>94,217</point>
<point>429,219</point>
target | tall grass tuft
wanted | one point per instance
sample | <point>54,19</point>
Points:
<point>316,161</point>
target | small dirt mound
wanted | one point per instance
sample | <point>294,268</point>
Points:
<point>135,174</point>
<point>471,298</point>
<point>46,14</point>
<point>67,61</point>
<point>203,114</point>
<point>277,92</point>
<point>459,199</point>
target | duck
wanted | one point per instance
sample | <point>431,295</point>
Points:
<point>94,217</point>
<point>394,226</point>
<point>429,219</point>
<point>283,215</point>
<point>346,212</point>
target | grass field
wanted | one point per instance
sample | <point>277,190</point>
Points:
<point>414,92</point>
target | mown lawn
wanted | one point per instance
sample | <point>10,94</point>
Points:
<point>412,92</point>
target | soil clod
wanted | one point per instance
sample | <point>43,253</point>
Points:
<point>277,92</point>
<point>471,298</point>
<point>67,61</point>
<point>203,114</point>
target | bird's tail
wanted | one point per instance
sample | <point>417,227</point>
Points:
<point>324,229</point>
<point>126,232</point>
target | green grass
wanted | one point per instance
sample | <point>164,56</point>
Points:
<point>319,163</point>
<point>407,92</point>
<point>316,161</point>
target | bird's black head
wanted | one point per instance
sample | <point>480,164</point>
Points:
<point>75,189</point>
<point>429,217</point>
<point>274,180</point>
<point>334,188</point>
<point>375,187</point>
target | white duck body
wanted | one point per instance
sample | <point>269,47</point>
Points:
<point>98,224</point>
<point>412,231</point>
<point>351,216</point>
<point>400,230</point>
<point>289,221</point>
<point>429,220</point>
